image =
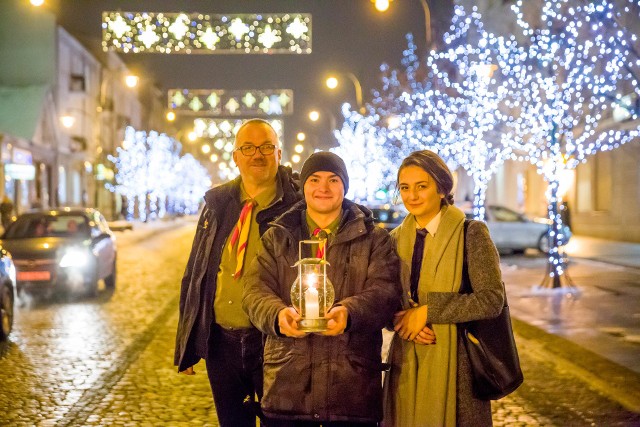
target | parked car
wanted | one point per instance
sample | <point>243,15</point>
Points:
<point>388,217</point>
<point>515,232</point>
<point>61,249</point>
<point>7,293</point>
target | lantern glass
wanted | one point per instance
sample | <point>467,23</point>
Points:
<point>312,293</point>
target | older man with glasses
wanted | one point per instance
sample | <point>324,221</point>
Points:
<point>212,324</point>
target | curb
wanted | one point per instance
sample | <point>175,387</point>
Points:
<point>606,261</point>
<point>618,383</point>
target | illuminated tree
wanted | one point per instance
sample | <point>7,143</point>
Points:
<point>161,171</point>
<point>578,62</point>
<point>460,112</point>
<point>192,182</point>
<point>361,147</point>
<point>131,170</point>
<point>152,176</point>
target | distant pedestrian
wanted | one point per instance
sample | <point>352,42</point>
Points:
<point>212,324</point>
<point>330,378</point>
<point>6,211</point>
<point>429,383</point>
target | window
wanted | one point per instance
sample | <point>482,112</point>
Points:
<point>77,83</point>
<point>594,184</point>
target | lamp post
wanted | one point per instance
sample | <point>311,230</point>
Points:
<point>383,5</point>
<point>332,83</point>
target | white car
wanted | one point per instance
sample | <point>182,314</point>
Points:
<point>515,232</point>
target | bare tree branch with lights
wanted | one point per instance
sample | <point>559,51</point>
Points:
<point>361,146</point>
<point>576,65</point>
<point>152,176</point>
<point>460,111</point>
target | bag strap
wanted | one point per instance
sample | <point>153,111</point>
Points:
<point>465,286</point>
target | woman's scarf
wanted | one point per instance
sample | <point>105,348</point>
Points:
<point>420,390</point>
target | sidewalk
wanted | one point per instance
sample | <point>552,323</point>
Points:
<point>594,331</point>
<point>137,230</point>
<point>625,254</point>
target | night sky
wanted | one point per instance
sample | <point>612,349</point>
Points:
<point>348,35</point>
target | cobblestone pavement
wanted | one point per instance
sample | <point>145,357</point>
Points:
<point>109,360</point>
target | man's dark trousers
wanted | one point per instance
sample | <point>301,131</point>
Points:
<point>234,367</point>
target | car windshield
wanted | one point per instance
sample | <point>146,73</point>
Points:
<point>44,225</point>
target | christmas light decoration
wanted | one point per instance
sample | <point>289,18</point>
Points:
<point>164,32</point>
<point>457,111</point>
<point>362,148</point>
<point>222,102</point>
<point>154,178</point>
<point>578,61</point>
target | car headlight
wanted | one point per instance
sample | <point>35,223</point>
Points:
<point>11,269</point>
<point>74,257</point>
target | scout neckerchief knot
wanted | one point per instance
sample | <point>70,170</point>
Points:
<point>240,235</point>
<point>322,234</point>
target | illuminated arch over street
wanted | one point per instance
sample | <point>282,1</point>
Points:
<point>222,102</point>
<point>158,32</point>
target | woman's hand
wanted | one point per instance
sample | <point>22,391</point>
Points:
<point>425,336</point>
<point>409,323</point>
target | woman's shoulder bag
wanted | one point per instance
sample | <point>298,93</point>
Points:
<point>491,347</point>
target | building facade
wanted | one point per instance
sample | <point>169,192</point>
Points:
<point>63,110</point>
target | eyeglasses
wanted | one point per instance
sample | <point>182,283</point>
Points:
<point>250,150</point>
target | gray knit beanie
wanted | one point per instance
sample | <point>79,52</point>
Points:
<point>325,161</point>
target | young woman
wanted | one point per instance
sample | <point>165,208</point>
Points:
<point>430,379</point>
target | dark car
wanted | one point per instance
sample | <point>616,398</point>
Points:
<point>62,249</point>
<point>7,293</point>
<point>387,217</point>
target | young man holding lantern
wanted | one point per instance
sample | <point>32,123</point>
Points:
<point>332,376</point>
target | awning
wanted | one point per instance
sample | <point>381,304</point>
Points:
<point>21,110</point>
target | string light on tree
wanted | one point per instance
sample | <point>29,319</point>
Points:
<point>361,146</point>
<point>578,61</point>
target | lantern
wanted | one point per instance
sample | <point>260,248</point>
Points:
<point>312,293</point>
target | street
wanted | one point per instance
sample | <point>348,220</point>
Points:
<point>109,360</point>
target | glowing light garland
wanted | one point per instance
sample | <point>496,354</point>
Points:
<point>222,102</point>
<point>158,32</point>
<point>154,178</point>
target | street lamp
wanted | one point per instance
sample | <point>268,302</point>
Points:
<point>314,116</point>
<point>383,5</point>
<point>332,83</point>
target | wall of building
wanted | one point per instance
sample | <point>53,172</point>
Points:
<point>27,45</point>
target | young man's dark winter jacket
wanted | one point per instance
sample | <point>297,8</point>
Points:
<point>319,377</point>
